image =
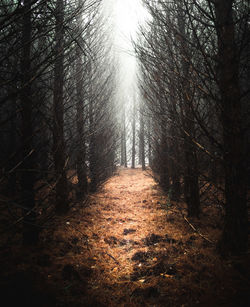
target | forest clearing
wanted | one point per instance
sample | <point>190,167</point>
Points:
<point>127,246</point>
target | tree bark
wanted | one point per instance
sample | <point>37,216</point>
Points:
<point>30,231</point>
<point>149,128</point>
<point>235,233</point>
<point>93,163</point>
<point>191,180</point>
<point>81,152</point>
<point>123,140</point>
<point>58,109</point>
<point>133,136</point>
<point>174,167</point>
<point>164,159</point>
<point>142,139</point>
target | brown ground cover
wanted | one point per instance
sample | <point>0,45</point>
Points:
<point>128,246</point>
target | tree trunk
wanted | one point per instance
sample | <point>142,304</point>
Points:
<point>122,148</point>
<point>142,139</point>
<point>176,186</point>
<point>133,136</point>
<point>123,140</point>
<point>30,231</point>
<point>81,151</point>
<point>235,233</point>
<point>149,143</point>
<point>164,160</point>
<point>174,167</point>
<point>92,149</point>
<point>58,129</point>
<point>191,180</point>
<point>13,161</point>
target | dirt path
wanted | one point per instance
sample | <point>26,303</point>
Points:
<point>128,245</point>
<point>128,248</point>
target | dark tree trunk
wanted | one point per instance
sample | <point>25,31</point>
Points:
<point>81,151</point>
<point>174,167</point>
<point>191,180</point>
<point>133,136</point>
<point>123,140</point>
<point>92,150</point>
<point>142,139</point>
<point>122,149</point>
<point>140,153</point>
<point>176,186</point>
<point>235,235</point>
<point>13,161</point>
<point>30,231</point>
<point>164,160</point>
<point>58,129</point>
<point>149,143</point>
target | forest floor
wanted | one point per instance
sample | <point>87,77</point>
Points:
<point>127,246</point>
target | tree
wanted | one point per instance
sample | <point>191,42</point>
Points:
<point>58,113</point>
<point>123,139</point>
<point>191,181</point>
<point>193,61</point>
<point>142,138</point>
<point>30,232</point>
<point>133,133</point>
<point>47,85</point>
<point>80,125</point>
<point>235,233</point>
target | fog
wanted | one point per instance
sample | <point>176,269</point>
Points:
<point>126,17</point>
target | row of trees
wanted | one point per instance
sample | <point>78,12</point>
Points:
<point>57,96</point>
<point>194,58</point>
<point>132,133</point>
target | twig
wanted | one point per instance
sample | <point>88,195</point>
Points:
<point>117,262</point>
<point>196,230</point>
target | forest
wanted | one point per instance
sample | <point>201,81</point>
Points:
<point>124,199</point>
